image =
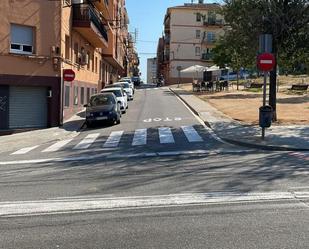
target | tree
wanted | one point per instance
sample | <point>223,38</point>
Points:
<point>233,51</point>
<point>286,20</point>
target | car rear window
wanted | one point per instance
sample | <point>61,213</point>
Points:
<point>102,100</point>
<point>116,92</point>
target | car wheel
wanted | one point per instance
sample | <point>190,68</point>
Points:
<point>127,107</point>
<point>118,120</point>
<point>89,124</point>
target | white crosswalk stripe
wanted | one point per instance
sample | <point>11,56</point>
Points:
<point>191,134</point>
<point>166,136</point>
<point>25,150</point>
<point>57,146</point>
<point>140,137</point>
<point>87,141</point>
<point>113,139</point>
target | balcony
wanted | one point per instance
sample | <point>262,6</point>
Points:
<point>102,6</point>
<point>87,21</point>
<point>207,56</point>
<point>209,41</point>
<point>213,22</point>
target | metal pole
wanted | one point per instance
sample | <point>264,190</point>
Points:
<point>264,100</point>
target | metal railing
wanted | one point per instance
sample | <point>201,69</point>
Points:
<point>207,56</point>
<point>87,12</point>
<point>212,21</point>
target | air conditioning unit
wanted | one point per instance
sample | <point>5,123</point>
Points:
<point>83,59</point>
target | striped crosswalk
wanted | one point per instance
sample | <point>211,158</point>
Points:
<point>87,141</point>
<point>113,139</point>
<point>57,146</point>
<point>140,137</point>
<point>166,135</point>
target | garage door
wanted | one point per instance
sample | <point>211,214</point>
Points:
<point>28,107</point>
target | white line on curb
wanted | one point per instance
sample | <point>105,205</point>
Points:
<point>87,204</point>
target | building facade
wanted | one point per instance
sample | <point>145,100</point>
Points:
<point>41,39</point>
<point>152,70</point>
<point>190,34</point>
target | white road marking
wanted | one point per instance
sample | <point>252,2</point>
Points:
<point>124,155</point>
<point>113,139</point>
<point>87,141</point>
<point>57,146</point>
<point>166,136</point>
<point>24,150</point>
<point>140,137</point>
<point>191,134</point>
<point>211,132</point>
<point>100,203</point>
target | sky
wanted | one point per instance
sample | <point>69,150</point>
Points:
<point>147,17</point>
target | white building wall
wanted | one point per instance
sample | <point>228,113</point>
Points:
<point>151,70</point>
<point>184,41</point>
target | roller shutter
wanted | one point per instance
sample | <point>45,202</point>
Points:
<point>28,107</point>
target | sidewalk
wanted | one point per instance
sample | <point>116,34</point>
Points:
<point>70,129</point>
<point>292,137</point>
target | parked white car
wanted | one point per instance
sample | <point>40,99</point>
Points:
<point>121,97</point>
<point>126,87</point>
<point>128,79</point>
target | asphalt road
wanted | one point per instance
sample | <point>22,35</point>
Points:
<point>133,185</point>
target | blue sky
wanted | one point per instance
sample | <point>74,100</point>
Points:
<point>147,17</point>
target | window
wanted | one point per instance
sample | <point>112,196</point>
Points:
<point>21,39</point>
<point>82,95</point>
<point>76,59</point>
<point>211,36</point>
<point>96,65</point>
<point>100,70</point>
<point>198,34</point>
<point>67,96</point>
<point>88,94</point>
<point>75,95</point>
<point>198,17</point>
<point>67,47</point>
<point>92,58</point>
<point>88,62</point>
<point>197,51</point>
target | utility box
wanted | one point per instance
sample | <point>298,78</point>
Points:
<point>266,116</point>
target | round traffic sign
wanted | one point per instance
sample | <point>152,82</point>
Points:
<point>68,75</point>
<point>266,62</point>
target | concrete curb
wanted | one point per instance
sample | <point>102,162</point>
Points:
<point>241,143</point>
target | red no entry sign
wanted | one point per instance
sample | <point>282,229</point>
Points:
<point>266,62</point>
<point>68,75</point>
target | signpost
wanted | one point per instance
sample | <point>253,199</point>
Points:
<point>179,68</point>
<point>265,63</point>
<point>68,75</point>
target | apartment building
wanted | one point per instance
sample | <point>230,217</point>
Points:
<point>40,39</point>
<point>151,70</point>
<point>190,33</point>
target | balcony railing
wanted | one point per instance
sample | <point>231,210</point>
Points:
<point>87,13</point>
<point>207,56</point>
<point>209,41</point>
<point>213,21</point>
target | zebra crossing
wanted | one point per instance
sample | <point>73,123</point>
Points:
<point>140,138</point>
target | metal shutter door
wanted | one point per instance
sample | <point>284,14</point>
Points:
<point>28,107</point>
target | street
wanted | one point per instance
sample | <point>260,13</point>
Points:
<point>160,179</point>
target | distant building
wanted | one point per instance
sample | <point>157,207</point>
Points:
<point>190,33</point>
<point>151,70</point>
